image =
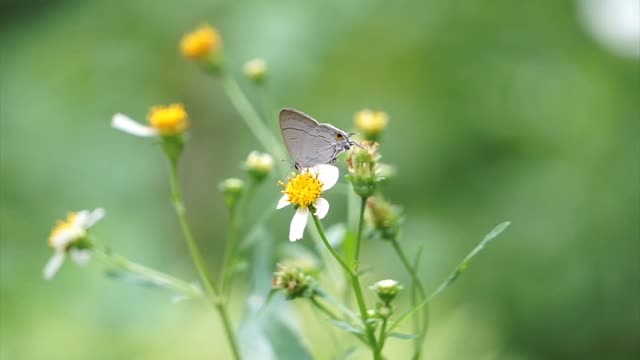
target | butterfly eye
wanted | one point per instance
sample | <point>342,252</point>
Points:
<point>339,136</point>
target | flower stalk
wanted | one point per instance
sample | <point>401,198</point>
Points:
<point>357,288</point>
<point>198,261</point>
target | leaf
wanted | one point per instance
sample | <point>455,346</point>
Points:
<point>402,336</point>
<point>348,327</point>
<point>454,275</point>
<point>268,329</point>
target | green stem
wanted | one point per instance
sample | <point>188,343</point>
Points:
<point>251,117</point>
<point>383,334</point>
<point>363,204</point>
<point>333,252</point>
<point>229,253</point>
<point>149,274</point>
<point>420,326</point>
<point>323,308</point>
<point>357,288</point>
<point>198,261</point>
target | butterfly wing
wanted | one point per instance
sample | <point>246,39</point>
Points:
<point>309,142</point>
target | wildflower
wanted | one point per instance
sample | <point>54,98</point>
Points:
<point>163,120</point>
<point>168,122</point>
<point>304,190</point>
<point>201,43</point>
<point>371,123</point>
<point>70,236</point>
<point>232,188</point>
<point>364,172</point>
<point>293,280</point>
<point>383,218</point>
<point>386,290</point>
<point>259,165</point>
<point>256,70</point>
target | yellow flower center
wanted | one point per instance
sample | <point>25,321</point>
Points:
<point>201,42</point>
<point>62,226</point>
<point>371,122</point>
<point>169,120</point>
<point>303,189</point>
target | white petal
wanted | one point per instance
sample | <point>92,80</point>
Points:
<point>298,223</point>
<point>81,219</point>
<point>322,207</point>
<point>284,201</point>
<point>327,174</point>
<point>53,265</point>
<point>130,126</point>
<point>94,217</point>
<point>80,256</point>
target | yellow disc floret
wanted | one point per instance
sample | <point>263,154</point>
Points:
<point>169,120</point>
<point>201,42</point>
<point>62,226</point>
<point>371,123</point>
<point>303,189</point>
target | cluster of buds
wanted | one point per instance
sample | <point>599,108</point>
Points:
<point>232,188</point>
<point>371,123</point>
<point>204,45</point>
<point>383,218</point>
<point>258,165</point>
<point>293,281</point>
<point>364,172</point>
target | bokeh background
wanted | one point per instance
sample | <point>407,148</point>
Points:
<point>500,110</point>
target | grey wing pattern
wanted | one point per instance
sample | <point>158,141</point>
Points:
<point>298,131</point>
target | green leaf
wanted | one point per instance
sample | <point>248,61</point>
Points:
<point>268,328</point>
<point>454,275</point>
<point>348,327</point>
<point>402,336</point>
<point>347,354</point>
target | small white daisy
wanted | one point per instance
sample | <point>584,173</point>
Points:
<point>67,236</point>
<point>304,191</point>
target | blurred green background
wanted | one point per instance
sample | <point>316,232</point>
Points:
<point>500,110</point>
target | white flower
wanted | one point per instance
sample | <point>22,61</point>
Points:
<point>304,190</point>
<point>163,120</point>
<point>68,233</point>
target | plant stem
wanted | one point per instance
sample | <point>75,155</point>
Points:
<point>363,204</point>
<point>198,261</point>
<point>420,326</point>
<point>152,275</point>
<point>229,253</point>
<point>333,252</point>
<point>251,117</point>
<point>355,283</point>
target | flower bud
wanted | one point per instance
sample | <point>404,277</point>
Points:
<point>293,281</point>
<point>256,70</point>
<point>386,290</point>
<point>363,168</point>
<point>232,188</point>
<point>259,165</point>
<point>205,45</point>
<point>384,218</point>
<point>371,123</point>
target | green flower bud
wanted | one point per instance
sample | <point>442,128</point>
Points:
<point>256,70</point>
<point>259,165</point>
<point>386,290</point>
<point>363,168</point>
<point>383,218</point>
<point>293,281</point>
<point>232,188</point>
